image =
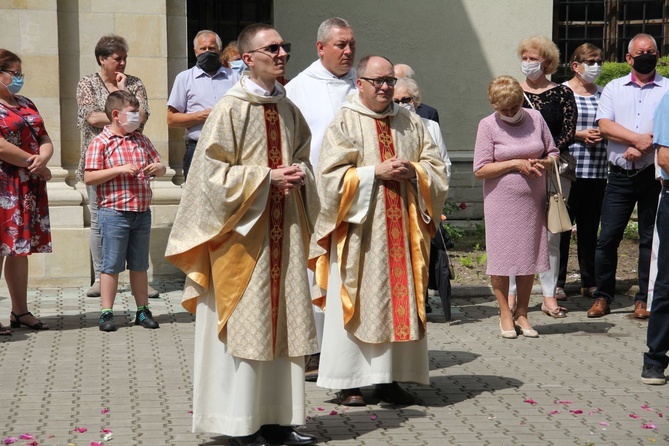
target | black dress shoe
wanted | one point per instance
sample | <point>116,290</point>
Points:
<point>393,393</point>
<point>286,435</point>
<point>351,397</point>
<point>249,440</point>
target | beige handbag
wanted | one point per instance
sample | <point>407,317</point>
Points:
<point>557,216</point>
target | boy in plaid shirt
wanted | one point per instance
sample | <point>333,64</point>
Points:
<point>121,161</point>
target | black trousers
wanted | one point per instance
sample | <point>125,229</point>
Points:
<point>585,207</point>
<point>657,338</point>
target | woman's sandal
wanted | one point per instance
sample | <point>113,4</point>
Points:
<point>16,323</point>
<point>5,331</point>
<point>558,312</point>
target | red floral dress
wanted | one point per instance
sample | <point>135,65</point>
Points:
<point>24,206</point>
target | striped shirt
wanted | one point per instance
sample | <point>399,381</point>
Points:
<point>123,192</point>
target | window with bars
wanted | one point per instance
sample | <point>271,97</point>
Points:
<point>225,17</point>
<point>609,24</point>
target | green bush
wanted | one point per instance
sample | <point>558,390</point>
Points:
<point>614,70</point>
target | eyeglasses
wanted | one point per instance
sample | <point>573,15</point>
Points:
<point>591,62</point>
<point>379,81</point>
<point>404,100</point>
<point>273,49</point>
<point>16,74</point>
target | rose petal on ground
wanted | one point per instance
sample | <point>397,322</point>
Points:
<point>645,407</point>
<point>10,440</point>
<point>104,411</point>
<point>95,443</point>
<point>563,402</point>
<point>659,414</point>
<point>32,443</point>
<point>26,436</point>
<point>648,426</point>
<point>81,430</point>
<point>576,412</point>
<point>333,412</point>
<point>373,417</point>
<point>633,415</point>
<point>106,431</point>
<point>603,423</point>
<point>190,412</point>
<point>529,401</point>
<point>555,412</point>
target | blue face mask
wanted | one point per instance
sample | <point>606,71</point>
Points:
<point>239,66</point>
<point>15,86</point>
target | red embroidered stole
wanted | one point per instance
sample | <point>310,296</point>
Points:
<point>397,255</point>
<point>276,207</point>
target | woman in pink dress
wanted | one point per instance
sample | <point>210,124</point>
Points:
<point>514,147</point>
<point>25,149</point>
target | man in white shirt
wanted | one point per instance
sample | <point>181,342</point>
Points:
<point>319,92</point>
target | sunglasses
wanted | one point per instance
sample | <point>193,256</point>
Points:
<point>16,74</point>
<point>591,62</point>
<point>273,49</point>
<point>404,100</point>
<point>379,81</point>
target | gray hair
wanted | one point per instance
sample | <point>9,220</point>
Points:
<point>641,36</point>
<point>326,28</point>
<point>406,71</point>
<point>204,32</point>
<point>410,85</point>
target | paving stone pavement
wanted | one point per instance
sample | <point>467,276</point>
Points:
<point>577,384</point>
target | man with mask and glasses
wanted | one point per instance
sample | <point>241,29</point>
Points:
<point>625,118</point>
<point>319,92</point>
<point>252,190</point>
<point>382,184</point>
<point>197,90</point>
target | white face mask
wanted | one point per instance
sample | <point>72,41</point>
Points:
<point>409,106</point>
<point>591,73</point>
<point>131,121</point>
<point>513,119</point>
<point>531,70</point>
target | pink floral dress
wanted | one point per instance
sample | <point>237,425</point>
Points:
<point>24,205</point>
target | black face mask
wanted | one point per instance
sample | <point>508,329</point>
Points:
<point>209,61</point>
<point>645,63</point>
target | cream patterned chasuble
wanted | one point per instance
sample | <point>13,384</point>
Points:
<point>382,257</point>
<point>246,239</point>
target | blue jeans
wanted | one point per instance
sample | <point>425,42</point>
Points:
<point>657,337</point>
<point>188,156</point>
<point>125,238</point>
<point>622,193</point>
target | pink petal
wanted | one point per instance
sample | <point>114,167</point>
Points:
<point>563,402</point>
<point>308,418</point>
<point>10,440</point>
<point>576,412</point>
<point>106,431</point>
<point>645,407</point>
<point>320,409</point>
<point>373,417</point>
<point>81,430</point>
<point>95,443</point>
<point>649,426</point>
<point>529,401</point>
<point>32,443</point>
<point>633,415</point>
<point>26,436</point>
<point>190,412</point>
<point>603,423</point>
<point>659,414</point>
<point>104,411</point>
<point>555,412</point>
<point>333,412</point>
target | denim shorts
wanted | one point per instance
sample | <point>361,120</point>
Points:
<point>125,238</point>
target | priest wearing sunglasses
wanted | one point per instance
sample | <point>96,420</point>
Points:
<point>382,183</point>
<point>241,235</point>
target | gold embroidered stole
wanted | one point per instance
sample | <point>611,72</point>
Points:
<point>276,209</point>
<point>397,255</point>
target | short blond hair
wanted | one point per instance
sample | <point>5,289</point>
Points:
<point>548,51</point>
<point>504,91</point>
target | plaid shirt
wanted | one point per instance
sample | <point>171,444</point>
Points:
<point>124,192</point>
<point>591,161</point>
